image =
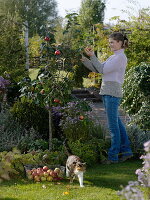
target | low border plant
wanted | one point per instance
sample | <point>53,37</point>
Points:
<point>139,190</point>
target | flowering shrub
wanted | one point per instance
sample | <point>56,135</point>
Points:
<point>137,137</point>
<point>75,121</point>
<point>3,83</point>
<point>136,99</point>
<point>144,173</point>
<point>133,191</point>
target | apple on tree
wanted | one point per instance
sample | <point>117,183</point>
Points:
<point>57,52</point>
<point>47,38</point>
<point>42,91</point>
<point>56,100</point>
<point>81,117</point>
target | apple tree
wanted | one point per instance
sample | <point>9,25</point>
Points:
<point>53,85</point>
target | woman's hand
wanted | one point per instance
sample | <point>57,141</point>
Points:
<point>89,51</point>
<point>83,59</point>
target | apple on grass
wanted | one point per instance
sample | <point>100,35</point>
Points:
<point>45,174</point>
<point>49,178</point>
<point>45,168</point>
<point>30,177</point>
<point>53,174</point>
<point>43,178</point>
<point>37,178</point>
<point>49,170</point>
<point>29,172</point>
<point>40,173</point>
<point>57,170</point>
<point>35,173</point>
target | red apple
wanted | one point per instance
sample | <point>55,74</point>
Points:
<point>47,38</point>
<point>34,173</point>
<point>81,117</point>
<point>42,91</point>
<point>56,100</point>
<point>40,173</point>
<point>53,174</point>
<point>57,52</point>
<point>45,168</point>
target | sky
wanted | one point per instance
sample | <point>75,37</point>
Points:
<point>113,7</point>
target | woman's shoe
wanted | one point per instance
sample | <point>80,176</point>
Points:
<point>108,162</point>
<point>124,158</point>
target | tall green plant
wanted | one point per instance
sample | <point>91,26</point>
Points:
<point>137,94</point>
<point>11,49</point>
<point>40,14</point>
<point>90,13</point>
<point>137,31</point>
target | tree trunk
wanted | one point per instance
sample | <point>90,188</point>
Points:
<point>50,129</point>
<point>26,35</point>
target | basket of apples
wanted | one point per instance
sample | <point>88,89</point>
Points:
<point>41,174</point>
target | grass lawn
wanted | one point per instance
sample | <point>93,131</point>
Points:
<point>101,183</point>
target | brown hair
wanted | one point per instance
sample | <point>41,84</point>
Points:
<point>120,37</point>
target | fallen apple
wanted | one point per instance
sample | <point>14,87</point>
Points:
<point>45,168</point>
<point>43,178</point>
<point>45,174</point>
<point>37,178</point>
<point>49,170</point>
<point>30,177</point>
<point>53,174</point>
<point>57,170</point>
<point>49,178</point>
<point>34,173</point>
<point>29,172</point>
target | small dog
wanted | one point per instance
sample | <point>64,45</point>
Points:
<point>74,167</point>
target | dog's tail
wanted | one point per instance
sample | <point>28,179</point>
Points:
<point>67,149</point>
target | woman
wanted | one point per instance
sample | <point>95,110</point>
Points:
<point>113,71</point>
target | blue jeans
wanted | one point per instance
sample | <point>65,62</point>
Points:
<point>120,144</point>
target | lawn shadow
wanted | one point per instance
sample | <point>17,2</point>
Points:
<point>112,176</point>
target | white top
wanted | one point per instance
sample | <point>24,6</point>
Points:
<point>112,70</point>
